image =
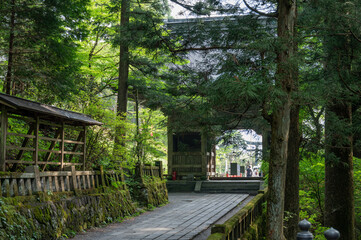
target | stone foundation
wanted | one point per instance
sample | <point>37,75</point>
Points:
<point>52,216</point>
<point>151,192</point>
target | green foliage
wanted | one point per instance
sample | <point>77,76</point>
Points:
<point>312,173</point>
<point>357,187</point>
<point>312,192</point>
<point>43,44</point>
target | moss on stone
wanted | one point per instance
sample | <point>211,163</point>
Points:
<point>151,191</point>
<point>217,236</point>
<point>51,216</point>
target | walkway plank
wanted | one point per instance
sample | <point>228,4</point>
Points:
<point>184,217</point>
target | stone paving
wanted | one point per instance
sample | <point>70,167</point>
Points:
<point>184,217</point>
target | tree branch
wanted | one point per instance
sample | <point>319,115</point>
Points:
<point>358,39</point>
<point>275,14</point>
<point>200,49</point>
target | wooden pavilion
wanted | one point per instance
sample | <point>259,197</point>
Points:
<point>37,134</point>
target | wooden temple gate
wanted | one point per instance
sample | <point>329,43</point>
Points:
<point>38,134</point>
<point>190,154</point>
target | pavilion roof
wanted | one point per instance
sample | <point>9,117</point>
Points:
<point>29,108</point>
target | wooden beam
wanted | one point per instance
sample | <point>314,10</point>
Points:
<point>49,151</point>
<point>84,147</point>
<point>73,153</point>
<point>25,119</point>
<point>23,135</point>
<point>75,142</point>
<point>52,145</point>
<point>57,139</point>
<point>62,145</point>
<point>7,104</point>
<point>25,142</point>
<point>75,147</point>
<point>36,141</point>
<point>41,163</point>
<point>50,123</point>
<point>20,148</point>
<point>3,132</point>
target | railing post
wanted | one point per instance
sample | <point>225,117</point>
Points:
<point>332,234</point>
<point>73,177</point>
<point>304,234</point>
<point>3,131</point>
<point>160,165</point>
<point>35,169</point>
<point>102,176</point>
<point>139,171</point>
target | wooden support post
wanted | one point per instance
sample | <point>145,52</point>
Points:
<point>73,177</point>
<point>52,145</point>
<point>36,141</point>
<point>7,187</point>
<point>62,146</point>
<point>37,182</point>
<point>4,127</point>
<point>22,190</point>
<point>25,142</point>
<point>96,181</point>
<point>204,153</point>
<point>160,165</point>
<point>151,171</point>
<point>84,148</point>
<point>14,187</point>
<point>79,139</point>
<point>102,176</point>
<point>28,186</point>
<point>170,147</point>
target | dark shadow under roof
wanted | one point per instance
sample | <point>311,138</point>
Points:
<point>28,108</point>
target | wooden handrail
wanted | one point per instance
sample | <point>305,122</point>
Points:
<point>23,184</point>
<point>236,226</point>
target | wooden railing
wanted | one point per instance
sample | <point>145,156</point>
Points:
<point>235,227</point>
<point>32,181</point>
<point>153,171</point>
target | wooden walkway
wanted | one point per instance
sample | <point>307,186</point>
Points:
<point>186,216</point>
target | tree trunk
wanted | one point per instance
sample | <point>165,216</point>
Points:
<point>280,121</point>
<point>123,72</point>
<point>339,191</point>
<point>293,158</point>
<point>292,176</point>
<point>8,78</point>
<point>123,63</point>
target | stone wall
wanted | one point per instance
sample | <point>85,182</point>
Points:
<point>52,216</point>
<point>152,191</point>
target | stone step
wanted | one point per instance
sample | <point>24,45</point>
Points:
<point>250,187</point>
<point>219,186</point>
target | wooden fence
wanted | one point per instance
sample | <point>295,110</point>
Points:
<point>153,171</point>
<point>235,227</point>
<point>32,181</point>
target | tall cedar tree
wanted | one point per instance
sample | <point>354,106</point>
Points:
<point>336,22</point>
<point>37,39</point>
<point>293,157</point>
<point>280,120</point>
<point>280,117</point>
<point>139,40</point>
<point>122,100</point>
<point>340,51</point>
